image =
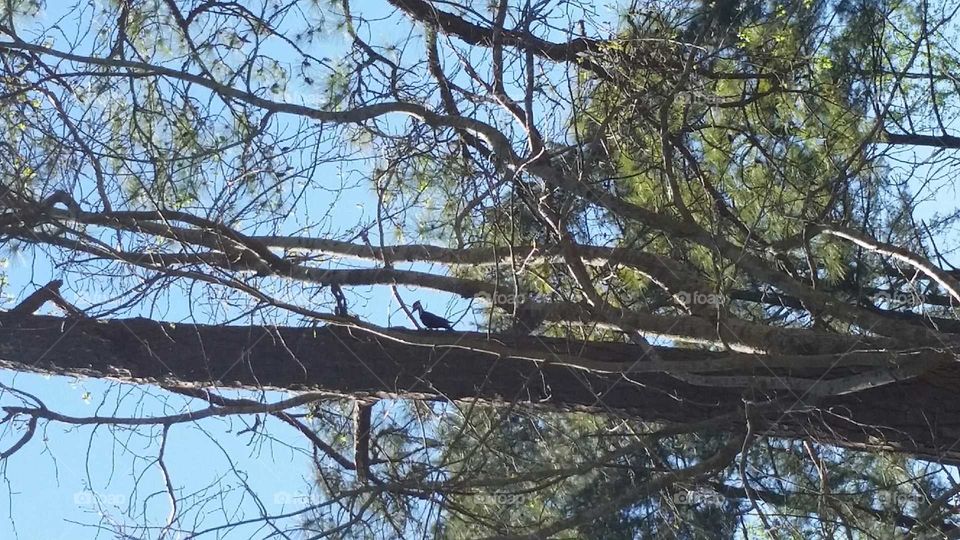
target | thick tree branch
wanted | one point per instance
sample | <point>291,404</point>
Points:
<point>350,362</point>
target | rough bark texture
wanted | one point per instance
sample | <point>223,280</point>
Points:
<point>920,416</point>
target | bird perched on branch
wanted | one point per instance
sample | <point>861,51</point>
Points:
<point>429,319</point>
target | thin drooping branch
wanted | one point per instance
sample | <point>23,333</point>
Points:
<point>247,407</point>
<point>23,440</point>
<point>167,482</point>
<point>942,278</point>
<point>283,416</point>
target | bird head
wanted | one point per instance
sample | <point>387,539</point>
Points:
<point>417,306</point>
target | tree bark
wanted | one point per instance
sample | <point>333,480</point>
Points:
<point>920,416</point>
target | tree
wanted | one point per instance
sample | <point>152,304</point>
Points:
<point>710,299</point>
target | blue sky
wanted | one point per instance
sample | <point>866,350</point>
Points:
<point>69,479</point>
<point>81,477</point>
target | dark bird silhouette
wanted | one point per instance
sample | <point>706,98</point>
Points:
<point>429,319</point>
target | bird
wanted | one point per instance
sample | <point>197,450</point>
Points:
<point>429,319</point>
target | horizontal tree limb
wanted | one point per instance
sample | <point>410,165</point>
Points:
<point>354,362</point>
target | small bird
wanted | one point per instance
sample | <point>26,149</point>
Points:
<point>429,319</point>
